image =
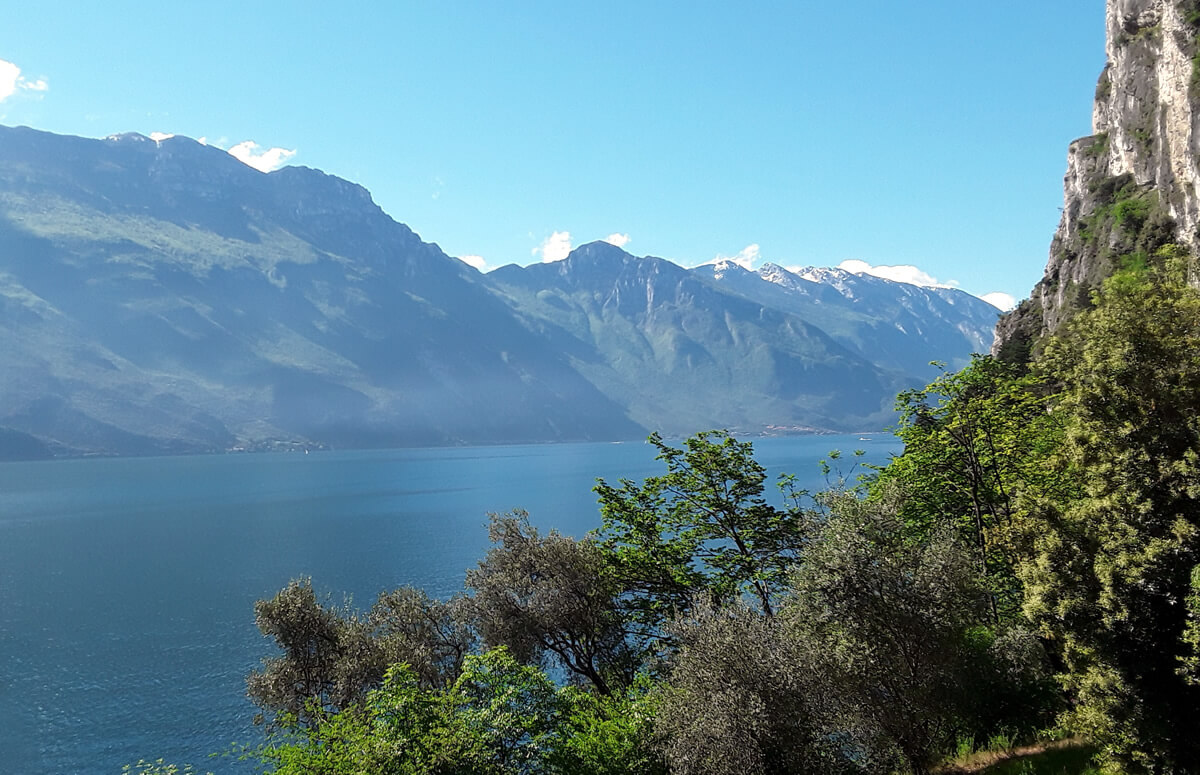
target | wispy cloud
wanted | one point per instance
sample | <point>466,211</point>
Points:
<point>1000,300</point>
<point>618,239</point>
<point>475,261</point>
<point>11,81</point>
<point>554,248</point>
<point>261,159</point>
<point>901,273</point>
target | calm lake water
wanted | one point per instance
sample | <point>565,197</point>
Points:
<point>127,586</point>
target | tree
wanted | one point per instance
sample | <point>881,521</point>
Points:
<point>973,441</point>
<point>881,623</point>
<point>736,699</point>
<point>332,656</point>
<point>1109,572</point>
<point>609,735</point>
<point>498,718</point>
<point>400,728</point>
<point>551,595</point>
<point>511,713</point>
<point>704,527</point>
<point>433,637</point>
<point>327,662</point>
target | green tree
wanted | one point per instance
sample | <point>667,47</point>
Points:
<point>551,595</point>
<point>328,660</point>
<point>401,728</point>
<point>510,712</point>
<point>882,624</point>
<point>973,441</point>
<point>331,656</point>
<point>1109,573</point>
<point>499,718</point>
<point>736,698</point>
<point>704,527</point>
<point>609,735</point>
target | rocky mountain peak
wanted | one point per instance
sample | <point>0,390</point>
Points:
<point>1145,110</point>
<point>1131,186</point>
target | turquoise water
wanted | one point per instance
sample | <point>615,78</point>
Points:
<point>127,585</point>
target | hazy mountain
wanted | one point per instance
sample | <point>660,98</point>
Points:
<point>894,325</point>
<point>678,351</point>
<point>164,297</point>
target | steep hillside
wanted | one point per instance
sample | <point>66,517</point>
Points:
<point>1131,186</point>
<point>677,349</point>
<point>160,297</point>
<point>898,326</point>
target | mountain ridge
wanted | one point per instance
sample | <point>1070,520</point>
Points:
<point>160,296</point>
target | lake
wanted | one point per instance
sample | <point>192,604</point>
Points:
<point>127,585</point>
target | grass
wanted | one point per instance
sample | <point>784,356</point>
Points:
<point>1063,757</point>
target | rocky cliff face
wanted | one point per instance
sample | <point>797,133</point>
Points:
<point>1132,185</point>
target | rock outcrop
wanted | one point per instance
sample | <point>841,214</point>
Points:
<point>1131,186</point>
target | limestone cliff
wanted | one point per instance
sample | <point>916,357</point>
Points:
<point>1132,185</point>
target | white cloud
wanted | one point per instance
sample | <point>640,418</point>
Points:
<point>1000,300</point>
<point>158,137</point>
<point>620,240</point>
<point>745,258</point>
<point>554,248</point>
<point>906,273</point>
<point>261,159</point>
<point>475,261</point>
<point>901,273</point>
<point>10,75</point>
<point>11,80</point>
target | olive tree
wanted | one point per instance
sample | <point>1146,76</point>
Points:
<point>551,596</point>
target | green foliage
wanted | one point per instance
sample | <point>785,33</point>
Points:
<point>1099,145</point>
<point>552,596</point>
<point>1109,570</point>
<point>331,656</point>
<point>736,698</point>
<point>609,735</point>
<point>1130,214</point>
<point>883,624</point>
<point>1190,11</point>
<point>1190,660</point>
<point>972,441</point>
<point>1128,223</point>
<point>703,527</point>
<point>499,718</point>
<point>1059,760</point>
<point>510,712</point>
<point>1116,194</point>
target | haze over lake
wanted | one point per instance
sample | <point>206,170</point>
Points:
<point>127,585</point>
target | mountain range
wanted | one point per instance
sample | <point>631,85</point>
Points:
<point>162,297</point>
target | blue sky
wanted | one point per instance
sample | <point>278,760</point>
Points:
<point>929,134</point>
